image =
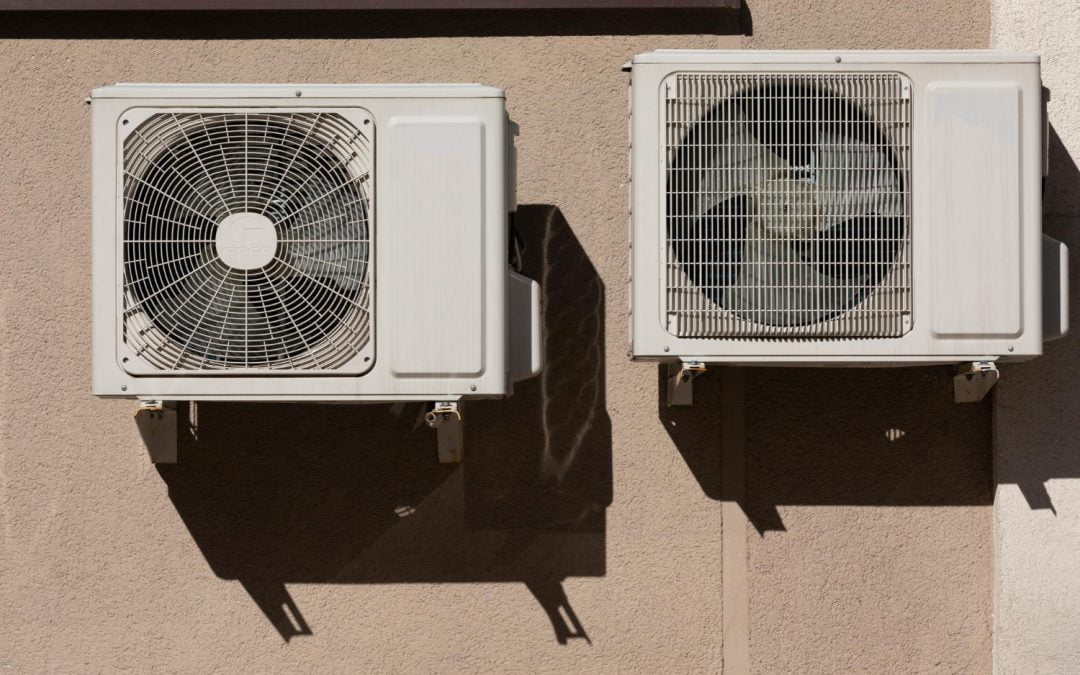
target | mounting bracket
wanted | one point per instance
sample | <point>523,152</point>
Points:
<point>446,418</point>
<point>156,422</point>
<point>974,380</point>
<point>681,378</point>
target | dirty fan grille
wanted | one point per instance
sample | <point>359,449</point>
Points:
<point>246,242</point>
<point>787,205</point>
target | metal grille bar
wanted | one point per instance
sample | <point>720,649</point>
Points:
<point>246,241</point>
<point>787,205</point>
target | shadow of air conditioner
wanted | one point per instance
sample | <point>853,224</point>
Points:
<point>893,436</point>
<point>292,493</point>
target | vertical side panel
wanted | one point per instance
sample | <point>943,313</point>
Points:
<point>975,208</point>
<point>432,192</point>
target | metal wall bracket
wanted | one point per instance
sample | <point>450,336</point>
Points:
<point>974,380</point>
<point>446,419</point>
<point>156,422</point>
<point>681,378</point>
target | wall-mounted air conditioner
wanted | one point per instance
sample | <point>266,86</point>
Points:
<point>815,208</point>
<point>306,243</point>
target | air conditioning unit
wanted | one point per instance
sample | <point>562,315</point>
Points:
<point>840,208</point>
<point>306,243</point>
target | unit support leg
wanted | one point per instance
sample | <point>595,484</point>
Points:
<point>446,418</point>
<point>974,380</point>
<point>156,421</point>
<point>681,378</point>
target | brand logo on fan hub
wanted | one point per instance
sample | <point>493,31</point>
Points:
<point>246,241</point>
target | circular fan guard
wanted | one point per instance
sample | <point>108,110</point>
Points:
<point>786,204</point>
<point>293,189</point>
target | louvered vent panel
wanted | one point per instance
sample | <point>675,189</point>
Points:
<point>788,205</point>
<point>246,242</point>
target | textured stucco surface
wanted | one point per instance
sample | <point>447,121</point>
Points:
<point>326,538</point>
<point>872,24</point>
<point>1036,449</point>
<point>865,553</point>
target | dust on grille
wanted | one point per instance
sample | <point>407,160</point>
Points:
<point>788,205</point>
<point>246,241</point>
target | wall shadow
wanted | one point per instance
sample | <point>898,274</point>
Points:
<point>373,24</point>
<point>293,493</point>
<point>894,436</point>
<point>1061,195</point>
<point>1035,441</point>
<point>823,436</point>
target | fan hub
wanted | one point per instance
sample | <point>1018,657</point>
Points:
<point>246,241</point>
<point>787,208</point>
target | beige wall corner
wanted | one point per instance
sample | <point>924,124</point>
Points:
<point>1036,447</point>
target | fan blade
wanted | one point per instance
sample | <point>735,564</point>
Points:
<point>332,247</point>
<point>738,161</point>
<point>341,263</point>
<point>778,114</point>
<point>710,248</point>
<point>859,248</point>
<point>192,267</point>
<point>259,312</point>
<point>856,177</point>
<point>721,155</point>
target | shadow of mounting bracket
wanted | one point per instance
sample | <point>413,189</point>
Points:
<point>974,380</point>
<point>156,422</point>
<point>681,378</point>
<point>446,418</point>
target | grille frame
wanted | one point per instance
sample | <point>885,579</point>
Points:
<point>685,310</point>
<point>362,357</point>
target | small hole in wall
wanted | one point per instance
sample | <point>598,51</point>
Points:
<point>366,359</point>
<point>367,122</point>
<point>125,122</point>
<point>124,360</point>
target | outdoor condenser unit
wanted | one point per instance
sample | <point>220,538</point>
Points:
<point>306,243</point>
<point>841,208</point>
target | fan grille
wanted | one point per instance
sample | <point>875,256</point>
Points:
<point>246,241</point>
<point>787,205</point>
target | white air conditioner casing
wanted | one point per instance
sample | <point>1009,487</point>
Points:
<point>958,272</point>
<point>306,242</point>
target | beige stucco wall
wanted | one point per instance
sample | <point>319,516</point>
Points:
<point>1037,451</point>
<point>326,538</point>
